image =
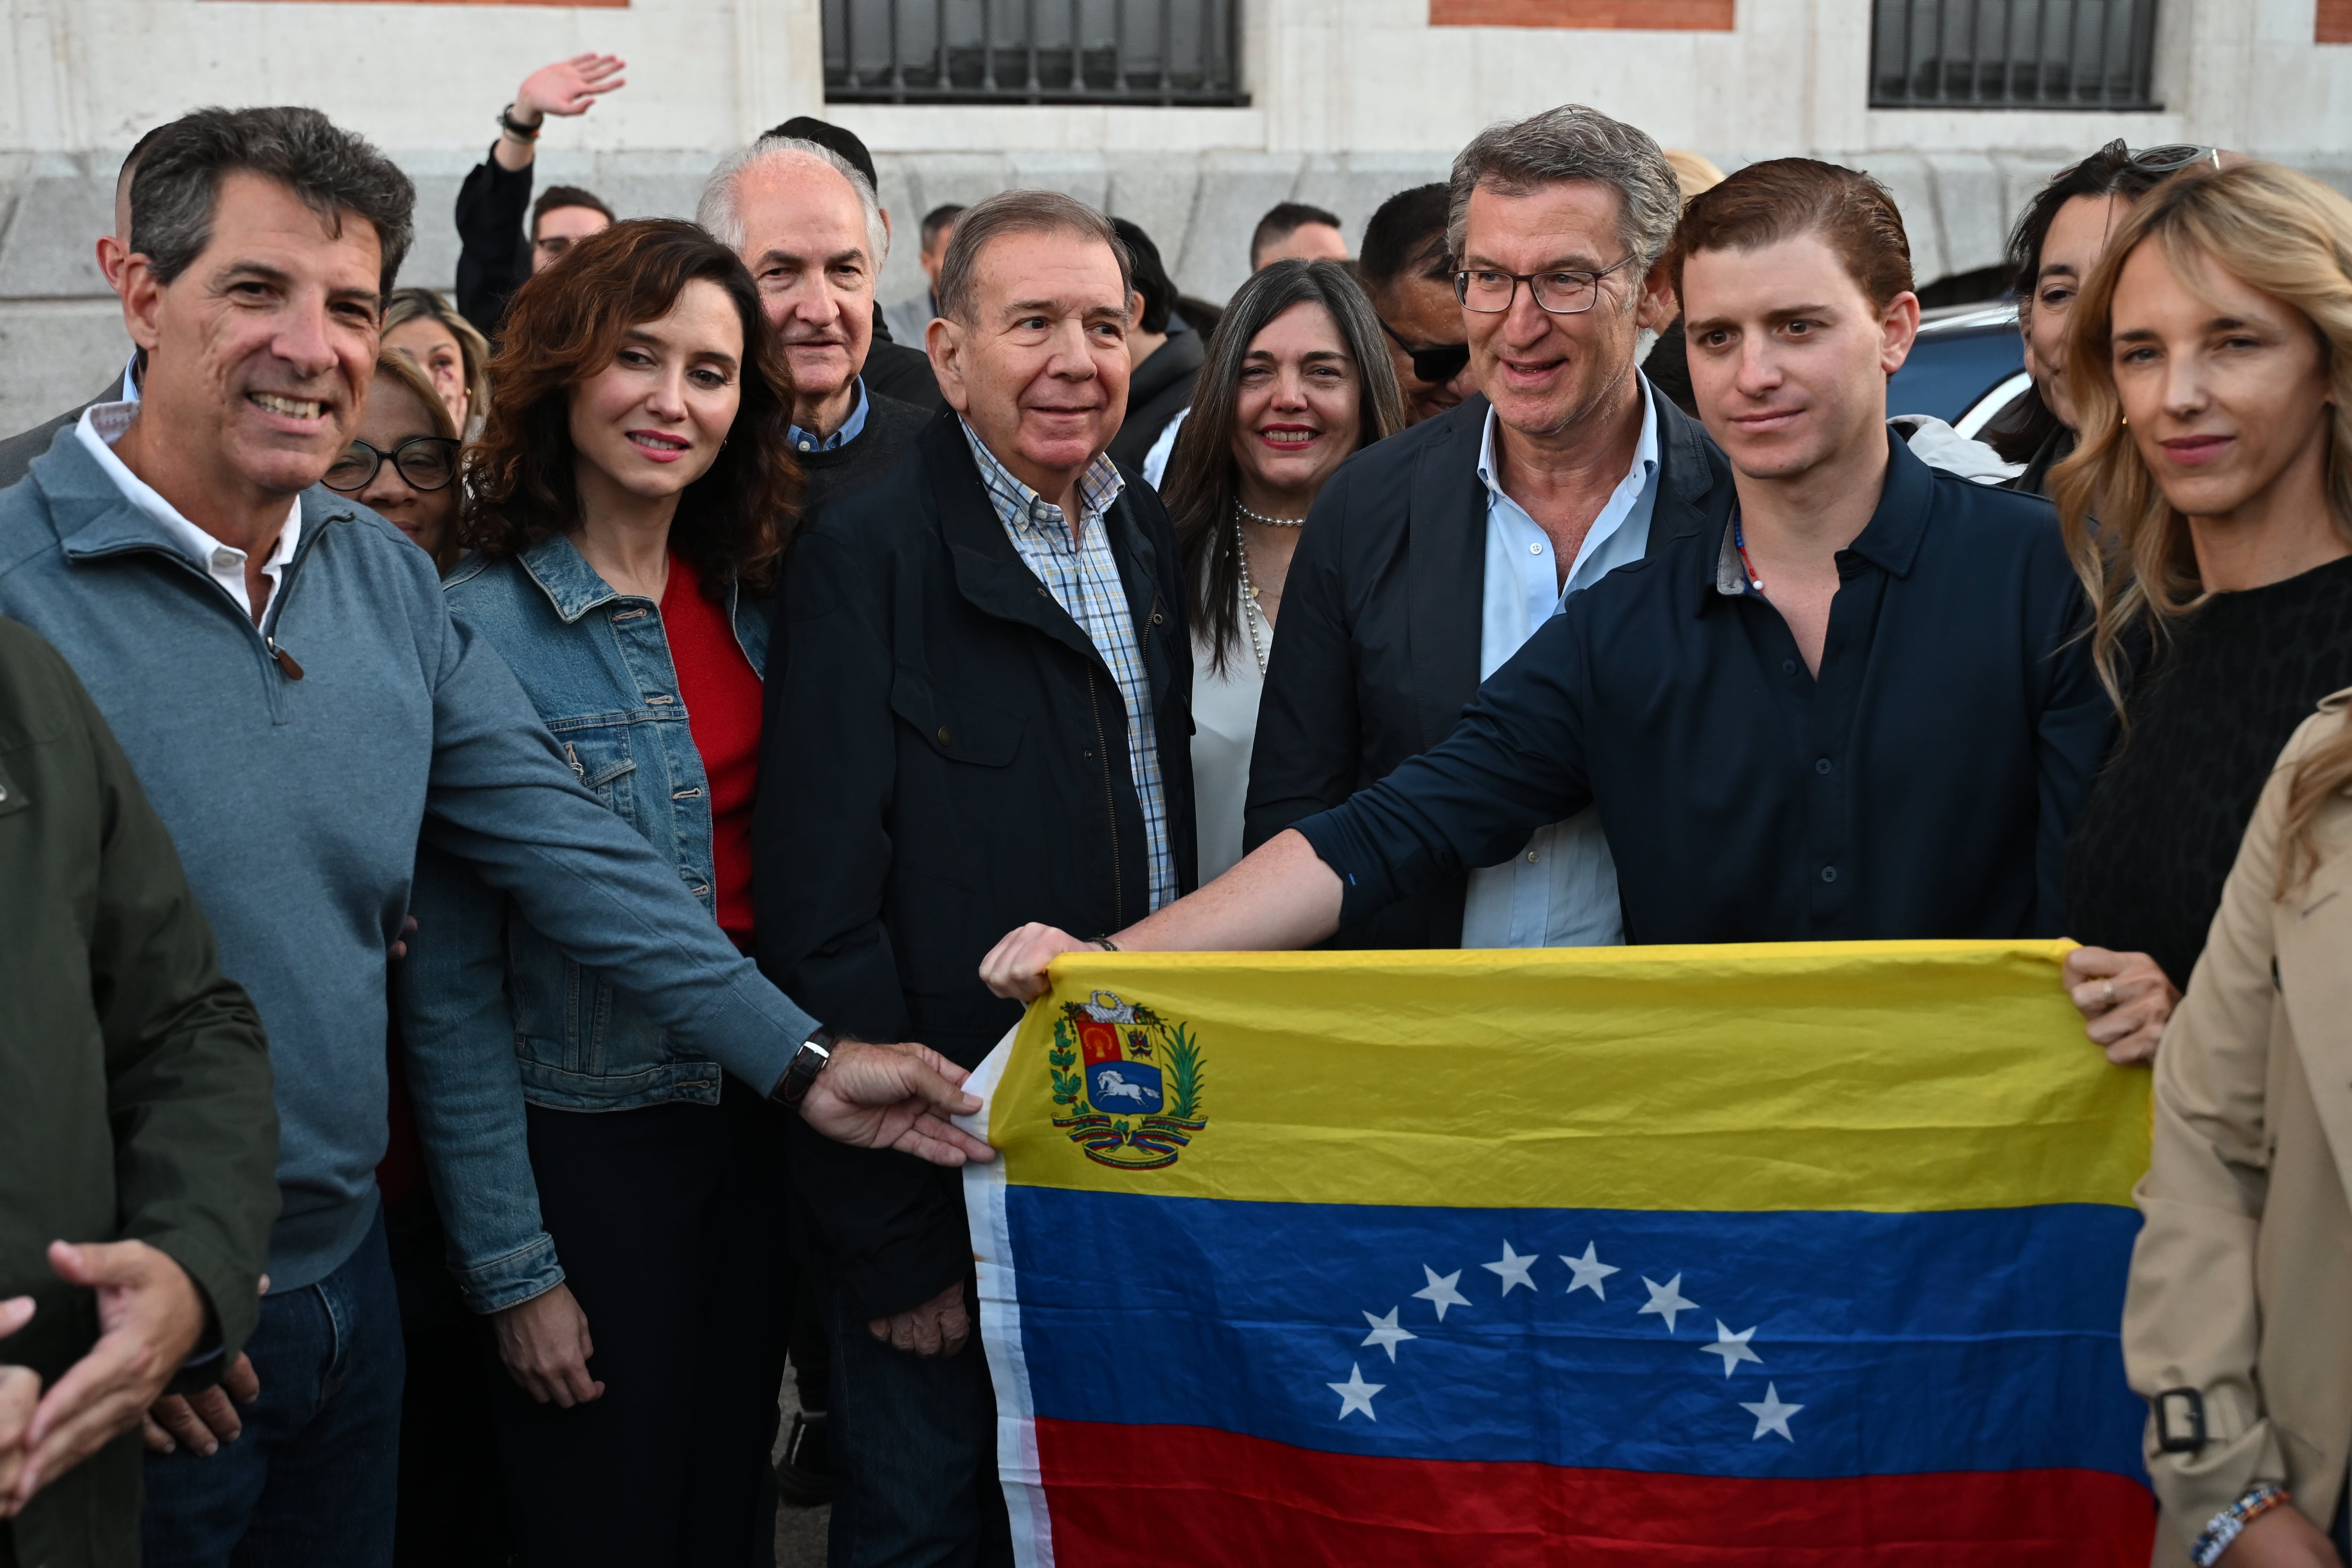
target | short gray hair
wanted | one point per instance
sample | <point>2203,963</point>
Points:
<point>332,171</point>
<point>720,210</point>
<point>1019,212</point>
<point>1573,143</point>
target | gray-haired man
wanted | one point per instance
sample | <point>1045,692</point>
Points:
<point>807,223</point>
<point>1431,557</point>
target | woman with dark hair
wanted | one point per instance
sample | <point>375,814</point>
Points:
<point>626,508</point>
<point>2211,368</point>
<point>2056,242</point>
<point>1294,380</point>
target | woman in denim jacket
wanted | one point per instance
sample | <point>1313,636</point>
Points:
<point>628,504</point>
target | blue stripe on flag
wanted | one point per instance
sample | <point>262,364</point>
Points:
<point>1882,1343</point>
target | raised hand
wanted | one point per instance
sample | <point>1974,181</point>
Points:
<point>568,86</point>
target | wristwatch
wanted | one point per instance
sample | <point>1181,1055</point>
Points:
<point>800,1073</point>
<point>514,128</point>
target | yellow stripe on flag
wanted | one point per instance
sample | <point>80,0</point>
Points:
<point>1875,1076</point>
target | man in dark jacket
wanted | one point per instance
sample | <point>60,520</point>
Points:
<point>1167,352</point>
<point>495,254</point>
<point>979,707</point>
<point>1432,557</point>
<point>809,226</point>
<point>135,1117</point>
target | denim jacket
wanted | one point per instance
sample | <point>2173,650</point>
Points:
<point>596,665</point>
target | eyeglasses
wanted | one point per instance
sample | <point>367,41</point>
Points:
<point>425,462</point>
<point>1434,366</point>
<point>1485,289</point>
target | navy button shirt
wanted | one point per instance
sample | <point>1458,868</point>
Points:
<point>1921,786</point>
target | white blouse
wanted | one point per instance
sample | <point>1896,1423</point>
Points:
<point>1225,723</point>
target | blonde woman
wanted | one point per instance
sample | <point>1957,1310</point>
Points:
<point>2210,367</point>
<point>420,324</point>
<point>2234,1327</point>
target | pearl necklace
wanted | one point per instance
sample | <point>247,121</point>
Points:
<point>1251,612</point>
<point>1270,521</point>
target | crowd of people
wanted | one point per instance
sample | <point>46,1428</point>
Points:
<point>462,975</point>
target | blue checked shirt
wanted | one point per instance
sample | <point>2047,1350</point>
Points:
<point>1083,580</point>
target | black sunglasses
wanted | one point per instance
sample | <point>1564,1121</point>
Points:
<point>426,462</point>
<point>1435,365</point>
<point>2169,159</point>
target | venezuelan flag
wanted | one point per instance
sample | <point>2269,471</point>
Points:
<point>1793,1254</point>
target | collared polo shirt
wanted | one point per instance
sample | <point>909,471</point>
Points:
<point>102,425</point>
<point>1083,576</point>
<point>851,428</point>
<point>1920,786</point>
<point>1559,889</point>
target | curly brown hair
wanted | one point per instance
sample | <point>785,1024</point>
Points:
<point>564,328</point>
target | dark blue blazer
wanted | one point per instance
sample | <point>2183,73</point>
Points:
<point>1377,654</point>
<point>1922,786</point>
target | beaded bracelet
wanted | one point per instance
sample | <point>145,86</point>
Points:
<point>2224,1530</point>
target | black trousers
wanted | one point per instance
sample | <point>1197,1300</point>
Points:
<point>453,1513</point>
<point>670,1224</point>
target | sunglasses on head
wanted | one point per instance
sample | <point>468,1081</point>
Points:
<point>1435,365</point>
<point>2168,159</point>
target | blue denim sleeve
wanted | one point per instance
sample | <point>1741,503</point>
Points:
<point>503,800</point>
<point>1514,763</point>
<point>457,1033</point>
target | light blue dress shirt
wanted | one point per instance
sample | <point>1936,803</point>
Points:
<point>1560,889</point>
<point>851,428</point>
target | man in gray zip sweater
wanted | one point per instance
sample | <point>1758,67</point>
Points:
<point>279,667</point>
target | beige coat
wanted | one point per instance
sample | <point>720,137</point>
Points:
<point>2241,1280</point>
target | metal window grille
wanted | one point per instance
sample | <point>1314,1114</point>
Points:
<point>1032,51</point>
<point>2011,54</point>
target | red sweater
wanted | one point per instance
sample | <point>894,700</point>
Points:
<point>721,693</point>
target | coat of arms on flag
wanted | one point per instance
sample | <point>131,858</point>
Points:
<point>1811,1253</point>
<point>1126,1086</point>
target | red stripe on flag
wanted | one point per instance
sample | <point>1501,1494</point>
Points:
<point>1187,1494</point>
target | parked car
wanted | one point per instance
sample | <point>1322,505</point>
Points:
<point>1966,368</point>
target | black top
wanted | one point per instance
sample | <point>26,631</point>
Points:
<point>896,371</point>
<point>1382,616</point>
<point>944,756</point>
<point>2145,868</point>
<point>1921,787</point>
<point>1160,389</point>
<point>891,428</point>
<point>493,251</point>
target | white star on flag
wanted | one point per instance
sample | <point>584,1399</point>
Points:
<point>1589,1272</point>
<point>1385,1333</point>
<point>1357,1395</point>
<point>1667,1299</point>
<point>1440,1293</point>
<point>1770,1416</point>
<point>1513,1268</point>
<point>1732,1348</point>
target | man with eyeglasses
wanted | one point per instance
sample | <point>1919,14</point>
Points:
<point>1431,557</point>
<point>494,253</point>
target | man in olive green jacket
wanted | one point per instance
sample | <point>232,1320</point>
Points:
<point>138,1142</point>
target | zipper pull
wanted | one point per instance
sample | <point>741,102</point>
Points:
<point>285,660</point>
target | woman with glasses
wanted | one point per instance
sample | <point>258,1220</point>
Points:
<point>447,347</point>
<point>2052,250</point>
<point>403,464</point>
<point>2210,366</point>
<point>614,1203</point>
<point>1294,380</point>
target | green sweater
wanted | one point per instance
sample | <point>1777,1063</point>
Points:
<point>134,1081</point>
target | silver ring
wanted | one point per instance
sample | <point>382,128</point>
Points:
<point>2110,994</point>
